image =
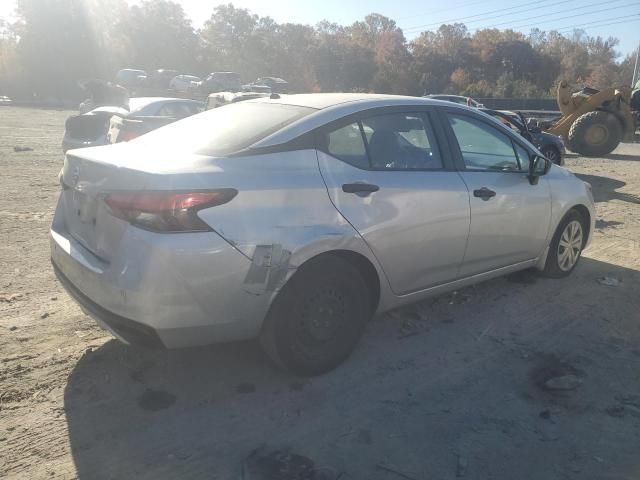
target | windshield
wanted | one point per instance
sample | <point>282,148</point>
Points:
<point>226,129</point>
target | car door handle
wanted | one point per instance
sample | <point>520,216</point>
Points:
<point>360,188</point>
<point>484,193</point>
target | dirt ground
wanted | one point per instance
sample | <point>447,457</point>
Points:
<point>449,388</point>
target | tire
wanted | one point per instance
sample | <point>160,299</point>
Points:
<point>554,266</point>
<point>318,317</point>
<point>595,134</point>
<point>552,153</point>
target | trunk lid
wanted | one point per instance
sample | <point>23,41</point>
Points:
<point>90,174</point>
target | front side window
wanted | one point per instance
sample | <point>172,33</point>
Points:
<point>482,146</point>
<point>523,157</point>
<point>401,141</point>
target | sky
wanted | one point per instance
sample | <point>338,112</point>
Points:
<point>619,18</point>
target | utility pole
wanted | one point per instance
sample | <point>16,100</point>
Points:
<point>636,73</point>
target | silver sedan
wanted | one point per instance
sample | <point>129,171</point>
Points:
<point>296,218</point>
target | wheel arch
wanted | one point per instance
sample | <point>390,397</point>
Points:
<point>586,215</point>
<point>584,212</point>
<point>360,262</point>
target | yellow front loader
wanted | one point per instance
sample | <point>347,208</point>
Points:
<point>594,122</point>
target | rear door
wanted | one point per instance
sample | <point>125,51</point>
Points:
<point>388,177</point>
<point>509,216</point>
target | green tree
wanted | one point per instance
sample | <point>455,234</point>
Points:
<point>159,35</point>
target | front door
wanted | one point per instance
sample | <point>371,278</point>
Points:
<point>509,216</point>
<point>386,175</point>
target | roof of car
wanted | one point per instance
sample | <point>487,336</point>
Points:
<point>138,103</point>
<point>325,100</point>
<point>333,106</point>
<point>445,95</point>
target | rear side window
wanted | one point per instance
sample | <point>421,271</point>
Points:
<point>225,130</point>
<point>347,144</point>
<point>482,146</point>
<point>175,110</point>
<point>396,141</point>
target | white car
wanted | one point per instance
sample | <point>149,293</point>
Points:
<point>294,218</point>
<point>459,99</point>
<point>185,83</point>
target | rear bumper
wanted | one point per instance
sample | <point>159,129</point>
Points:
<point>124,329</point>
<point>69,143</point>
<point>175,291</point>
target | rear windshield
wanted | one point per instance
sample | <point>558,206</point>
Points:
<point>225,129</point>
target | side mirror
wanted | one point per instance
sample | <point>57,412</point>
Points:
<point>538,166</point>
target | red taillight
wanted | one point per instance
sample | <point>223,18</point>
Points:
<point>125,136</point>
<point>167,211</point>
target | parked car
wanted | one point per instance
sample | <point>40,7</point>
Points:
<point>4,100</point>
<point>275,84</point>
<point>102,93</point>
<point>468,101</point>
<point>91,129</point>
<point>221,82</point>
<point>550,145</point>
<point>215,100</point>
<point>158,113</point>
<point>252,87</point>
<point>161,78</point>
<point>185,83</point>
<point>130,77</point>
<point>296,218</point>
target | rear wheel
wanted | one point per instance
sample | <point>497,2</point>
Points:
<point>318,317</point>
<point>566,246</point>
<point>595,134</point>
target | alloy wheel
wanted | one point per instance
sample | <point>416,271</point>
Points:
<point>570,245</point>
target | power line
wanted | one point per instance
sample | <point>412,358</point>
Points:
<point>463,19</point>
<point>565,17</point>
<point>628,20</point>
<point>560,18</point>
<point>580,25</point>
<point>448,9</point>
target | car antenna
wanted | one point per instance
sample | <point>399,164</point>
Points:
<point>274,96</point>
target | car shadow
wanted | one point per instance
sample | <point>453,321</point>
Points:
<point>623,156</point>
<point>611,156</point>
<point>605,189</point>
<point>197,413</point>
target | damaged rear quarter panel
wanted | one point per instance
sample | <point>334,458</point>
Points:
<point>281,217</point>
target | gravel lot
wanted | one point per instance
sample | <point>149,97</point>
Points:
<point>451,387</point>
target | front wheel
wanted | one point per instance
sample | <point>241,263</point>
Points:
<point>552,154</point>
<point>566,246</point>
<point>318,317</point>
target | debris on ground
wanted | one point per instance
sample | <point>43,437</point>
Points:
<point>565,382</point>
<point>22,149</point>
<point>10,298</point>
<point>616,411</point>
<point>555,375</point>
<point>392,469</point>
<point>458,298</point>
<point>44,315</point>
<point>609,281</point>
<point>461,468</point>
<point>265,464</point>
